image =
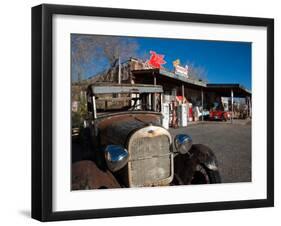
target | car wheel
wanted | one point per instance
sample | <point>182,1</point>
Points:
<point>203,175</point>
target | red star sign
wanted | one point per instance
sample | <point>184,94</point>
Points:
<point>156,60</point>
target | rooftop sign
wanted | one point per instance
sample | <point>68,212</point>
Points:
<point>156,60</point>
<point>179,69</point>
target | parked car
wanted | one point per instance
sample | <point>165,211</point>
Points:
<point>127,139</point>
<point>219,115</point>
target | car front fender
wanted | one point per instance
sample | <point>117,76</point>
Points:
<point>185,165</point>
<point>204,155</point>
<point>86,175</point>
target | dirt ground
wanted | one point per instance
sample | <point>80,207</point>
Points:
<point>231,144</point>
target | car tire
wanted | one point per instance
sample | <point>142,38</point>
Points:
<point>206,176</point>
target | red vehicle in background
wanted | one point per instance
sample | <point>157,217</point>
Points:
<point>219,115</point>
<point>218,112</point>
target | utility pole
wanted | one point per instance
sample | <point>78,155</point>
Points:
<point>119,71</point>
<point>231,105</point>
<point>202,102</point>
<point>154,94</point>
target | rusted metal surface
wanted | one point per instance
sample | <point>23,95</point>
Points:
<point>102,88</point>
<point>116,129</point>
<point>123,129</point>
<point>144,118</point>
<point>86,175</point>
<point>151,160</point>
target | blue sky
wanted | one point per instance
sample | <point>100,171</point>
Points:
<point>224,62</point>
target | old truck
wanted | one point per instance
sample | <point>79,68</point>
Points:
<point>127,141</point>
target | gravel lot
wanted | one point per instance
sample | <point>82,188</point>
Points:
<point>231,144</point>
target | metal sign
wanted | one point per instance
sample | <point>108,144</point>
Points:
<point>182,70</point>
<point>179,69</point>
<point>156,60</point>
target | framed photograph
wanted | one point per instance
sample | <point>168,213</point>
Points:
<point>146,112</point>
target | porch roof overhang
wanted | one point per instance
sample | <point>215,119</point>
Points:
<point>170,76</point>
<point>224,89</point>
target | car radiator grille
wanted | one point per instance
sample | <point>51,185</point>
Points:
<point>150,161</point>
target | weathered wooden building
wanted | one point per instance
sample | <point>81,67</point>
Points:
<point>197,92</point>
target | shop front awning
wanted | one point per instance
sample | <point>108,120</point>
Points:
<point>225,89</point>
<point>167,76</point>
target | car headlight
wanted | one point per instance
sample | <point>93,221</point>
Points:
<point>116,157</point>
<point>183,143</point>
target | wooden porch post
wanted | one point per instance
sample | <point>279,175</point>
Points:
<point>154,94</point>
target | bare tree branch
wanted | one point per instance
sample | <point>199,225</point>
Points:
<point>197,72</point>
<point>87,48</point>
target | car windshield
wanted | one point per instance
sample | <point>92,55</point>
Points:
<point>110,103</point>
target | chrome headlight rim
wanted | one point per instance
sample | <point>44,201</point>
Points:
<point>116,157</point>
<point>183,143</point>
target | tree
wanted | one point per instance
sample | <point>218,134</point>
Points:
<point>197,72</point>
<point>115,47</point>
<point>86,49</point>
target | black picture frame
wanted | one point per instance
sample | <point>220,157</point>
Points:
<point>42,111</point>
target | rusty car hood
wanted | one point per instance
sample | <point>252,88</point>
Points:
<point>116,129</point>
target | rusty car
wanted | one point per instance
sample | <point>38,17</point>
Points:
<point>125,138</point>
